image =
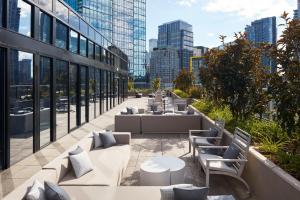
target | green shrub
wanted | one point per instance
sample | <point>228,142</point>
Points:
<point>270,146</point>
<point>289,162</point>
<point>203,106</point>
<point>195,92</point>
<point>221,113</point>
<point>181,94</point>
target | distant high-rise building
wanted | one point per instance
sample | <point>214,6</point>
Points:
<point>263,31</point>
<point>297,11</point>
<point>178,35</point>
<point>123,22</point>
<point>196,61</point>
<point>152,44</point>
<point>164,64</point>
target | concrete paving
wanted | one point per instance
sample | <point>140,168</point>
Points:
<point>143,148</point>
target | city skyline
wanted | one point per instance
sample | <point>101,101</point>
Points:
<point>215,17</point>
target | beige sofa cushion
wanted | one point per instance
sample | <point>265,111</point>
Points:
<point>41,176</point>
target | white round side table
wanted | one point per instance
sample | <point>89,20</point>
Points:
<point>162,170</point>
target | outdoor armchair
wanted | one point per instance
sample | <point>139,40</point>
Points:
<point>217,164</point>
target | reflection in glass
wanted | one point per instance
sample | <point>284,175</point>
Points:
<point>45,27</point>
<point>83,27</point>
<point>20,105</point>
<point>102,90</point>
<point>20,17</point>
<point>61,35</point>
<point>83,94</point>
<point>97,75</point>
<point>45,77</point>
<point>73,41</point>
<point>83,46</point>
<point>104,75</point>
<point>108,90</point>
<point>62,11</point>
<point>46,4</point>
<point>74,20</point>
<point>92,98</point>
<point>91,50</point>
<point>73,96</point>
<point>97,52</point>
<point>62,100</point>
<point>1,13</point>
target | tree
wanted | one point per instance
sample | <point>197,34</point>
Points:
<point>184,80</point>
<point>285,82</point>
<point>130,85</point>
<point>156,84</point>
<point>234,76</point>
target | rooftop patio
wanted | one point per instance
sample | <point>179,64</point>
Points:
<point>143,147</point>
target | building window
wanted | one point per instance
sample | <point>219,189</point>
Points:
<point>20,17</point>
<point>98,92</point>
<point>83,94</point>
<point>92,98</point>
<point>97,52</point>
<point>83,46</point>
<point>73,96</point>
<point>62,11</point>
<point>73,41</point>
<point>45,99</point>
<point>45,28</point>
<point>1,13</point>
<point>74,20</point>
<point>61,35</point>
<point>62,100</point>
<point>91,50</point>
<point>20,105</point>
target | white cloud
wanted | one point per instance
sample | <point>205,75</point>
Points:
<point>210,34</point>
<point>251,8</point>
<point>187,3</point>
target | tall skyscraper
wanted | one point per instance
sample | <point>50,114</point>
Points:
<point>263,31</point>
<point>178,35</point>
<point>297,11</point>
<point>152,44</point>
<point>122,22</point>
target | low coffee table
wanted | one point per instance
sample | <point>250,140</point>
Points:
<point>161,164</point>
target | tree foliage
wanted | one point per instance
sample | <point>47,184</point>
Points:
<point>285,83</point>
<point>156,84</point>
<point>184,80</point>
<point>234,76</point>
<point>130,85</point>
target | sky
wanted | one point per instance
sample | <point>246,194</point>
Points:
<point>211,18</point>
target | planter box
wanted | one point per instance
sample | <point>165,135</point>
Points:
<point>266,180</point>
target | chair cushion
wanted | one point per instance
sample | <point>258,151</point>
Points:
<point>190,111</point>
<point>36,192</point>
<point>55,192</point>
<point>231,153</point>
<point>97,140</point>
<point>216,165</point>
<point>78,150</point>
<point>167,192</point>
<point>212,133</point>
<point>202,142</point>
<point>181,107</point>
<point>191,193</point>
<point>81,164</point>
<point>108,139</point>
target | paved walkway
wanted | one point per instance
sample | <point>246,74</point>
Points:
<point>143,147</point>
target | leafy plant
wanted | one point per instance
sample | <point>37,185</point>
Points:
<point>271,146</point>
<point>156,84</point>
<point>289,162</point>
<point>184,80</point>
<point>181,94</point>
<point>203,106</point>
<point>196,92</point>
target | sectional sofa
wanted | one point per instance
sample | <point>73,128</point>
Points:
<point>109,166</point>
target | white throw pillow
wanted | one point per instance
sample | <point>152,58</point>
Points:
<point>81,164</point>
<point>135,110</point>
<point>167,192</point>
<point>97,140</point>
<point>36,192</point>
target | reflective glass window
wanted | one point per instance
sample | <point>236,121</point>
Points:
<point>45,27</point>
<point>73,42</point>
<point>91,33</point>
<point>83,46</point>
<point>97,52</point>
<point>98,79</point>
<point>83,94</point>
<point>20,17</point>
<point>1,12</point>
<point>92,97</point>
<point>104,78</point>
<point>83,27</point>
<point>46,4</point>
<point>91,50</point>
<point>73,96</point>
<point>62,11</point>
<point>61,35</point>
<point>74,20</point>
<point>20,105</point>
<point>45,99</point>
<point>62,100</point>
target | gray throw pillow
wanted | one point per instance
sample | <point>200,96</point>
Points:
<point>231,153</point>
<point>129,110</point>
<point>36,192</point>
<point>181,107</point>
<point>190,111</point>
<point>55,192</point>
<point>154,107</point>
<point>212,133</point>
<point>191,193</point>
<point>158,112</point>
<point>78,150</point>
<point>108,139</point>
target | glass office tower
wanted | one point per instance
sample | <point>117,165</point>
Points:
<point>122,22</point>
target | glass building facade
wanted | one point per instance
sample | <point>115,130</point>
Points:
<point>122,22</point>
<point>62,74</point>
